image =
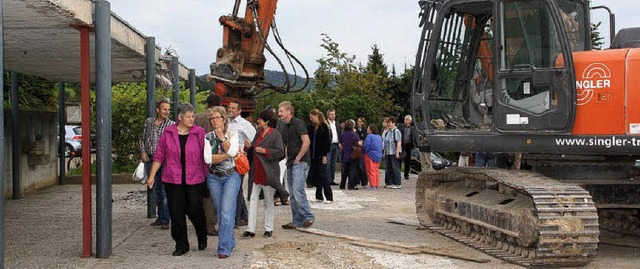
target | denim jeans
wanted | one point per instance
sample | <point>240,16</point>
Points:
<point>332,157</point>
<point>296,180</point>
<point>392,171</point>
<point>485,159</point>
<point>159,195</point>
<point>224,193</point>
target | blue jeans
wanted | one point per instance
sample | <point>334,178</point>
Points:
<point>392,171</point>
<point>224,193</point>
<point>296,181</point>
<point>332,157</point>
<point>487,159</point>
<point>159,194</point>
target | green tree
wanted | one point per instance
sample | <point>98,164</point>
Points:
<point>376,63</point>
<point>34,93</point>
<point>129,111</point>
<point>596,38</point>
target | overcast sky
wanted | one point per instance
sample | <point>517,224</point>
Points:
<point>191,27</point>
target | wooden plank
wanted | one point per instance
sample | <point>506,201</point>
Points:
<point>384,244</point>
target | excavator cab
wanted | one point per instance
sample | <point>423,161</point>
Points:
<point>487,67</point>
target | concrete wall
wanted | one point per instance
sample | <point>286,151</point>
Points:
<point>38,159</point>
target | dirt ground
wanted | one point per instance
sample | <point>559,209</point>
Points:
<point>43,231</point>
<point>364,213</point>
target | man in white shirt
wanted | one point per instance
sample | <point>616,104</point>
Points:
<point>334,151</point>
<point>246,133</point>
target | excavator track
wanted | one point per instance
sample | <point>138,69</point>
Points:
<point>521,217</point>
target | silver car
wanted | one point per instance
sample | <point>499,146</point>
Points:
<point>72,140</point>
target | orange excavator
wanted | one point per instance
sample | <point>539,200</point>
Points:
<point>520,76</point>
<point>239,68</point>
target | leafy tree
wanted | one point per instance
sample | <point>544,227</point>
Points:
<point>343,84</point>
<point>400,86</point>
<point>34,93</point>
<point>129,108</point>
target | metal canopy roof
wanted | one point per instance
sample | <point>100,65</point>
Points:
<point>40,39</point>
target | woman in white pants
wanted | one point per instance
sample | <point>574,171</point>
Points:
<point>265,171</point>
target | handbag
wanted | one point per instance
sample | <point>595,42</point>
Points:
<point>140,174</point>
<point>242,163</point>
<point>356,152</point>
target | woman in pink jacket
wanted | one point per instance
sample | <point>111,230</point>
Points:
<point>180,152</point>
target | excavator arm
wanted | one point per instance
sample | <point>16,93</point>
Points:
<point>239,68</point>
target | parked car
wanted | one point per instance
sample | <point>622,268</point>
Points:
<point>72,140</point>
<point>437,161</point>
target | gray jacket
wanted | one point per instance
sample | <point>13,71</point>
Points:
<point>272,142</point>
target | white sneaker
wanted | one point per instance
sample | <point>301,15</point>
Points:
<point>317,201</point>
<point>394,187</point>
<point>328,202</point>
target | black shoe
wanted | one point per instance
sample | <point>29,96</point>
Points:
<point>267,234</point>
<point>248,234</point>
<point>334,184</point>
<point>156,223</point>
<point>288,226</point>
<point>307,223</point>
<point>406,178</point>
<point>202,246</point>
<point>179,252</point>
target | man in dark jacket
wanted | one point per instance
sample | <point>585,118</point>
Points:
<point>334,151</point>
<point>409,141</point>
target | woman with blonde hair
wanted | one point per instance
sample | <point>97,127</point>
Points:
<point>320,138</point>
<point>220,146</point>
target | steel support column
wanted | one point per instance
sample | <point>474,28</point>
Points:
<point>175,70</point>
<point>61,131</point>
<point>150,49</point>
<point>15,137</point>
<point>103,129</point>
<point>1,139</point>
<point>192,89</point>
<point>85,95</point>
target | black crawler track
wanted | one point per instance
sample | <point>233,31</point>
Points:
<point>560,220</point>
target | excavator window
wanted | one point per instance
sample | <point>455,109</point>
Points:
<point>530,41</point>
<point>529,37</point>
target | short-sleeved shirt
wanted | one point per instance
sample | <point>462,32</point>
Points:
<point>390,139</point>
<point>292,137</point>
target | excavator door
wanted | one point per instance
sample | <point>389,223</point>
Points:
<point>534,87</point>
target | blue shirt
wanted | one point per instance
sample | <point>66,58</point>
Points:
<point>390,139</point>
<point>373,147</point>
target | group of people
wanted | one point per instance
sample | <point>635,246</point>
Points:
<point>361,148</point>
<point>192,170</point>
